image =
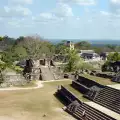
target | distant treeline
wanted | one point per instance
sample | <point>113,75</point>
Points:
<point>35,47</point>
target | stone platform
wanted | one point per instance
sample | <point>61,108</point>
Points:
<point>104,110</point>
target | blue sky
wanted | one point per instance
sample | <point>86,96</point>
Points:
<point>61,19</point>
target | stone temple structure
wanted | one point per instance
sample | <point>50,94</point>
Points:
<point>43,69</point>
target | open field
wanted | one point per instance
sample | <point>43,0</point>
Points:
<point>33,104</point>
<point>100,80</point>
<point>76,93</point>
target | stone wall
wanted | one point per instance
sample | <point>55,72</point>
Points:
<point>13,80</point>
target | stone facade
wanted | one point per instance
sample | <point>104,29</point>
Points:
<point>43,69</point>
<point>13,79</point>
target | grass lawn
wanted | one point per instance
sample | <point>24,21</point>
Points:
<point>100,80</point>
<point>76,93</point>
<point>33,104</point>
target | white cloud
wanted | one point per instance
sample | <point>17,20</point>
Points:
<point>15,11</point>
<point>44,18</point>
<point>105,13</point>
<point>24,22</point>
<point>115,1</point>
<point>47,15</point>
<point>14,22</point>
<point>80,2</point>
<point>6,8</point>
<point>21,1</point>
<point>63,10</point>
<point>115,6</point>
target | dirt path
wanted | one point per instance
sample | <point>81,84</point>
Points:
<point>38,83</point>
<point>56,80</point>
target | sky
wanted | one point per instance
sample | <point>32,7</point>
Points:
<point>61,19</point>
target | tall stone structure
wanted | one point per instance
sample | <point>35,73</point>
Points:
<point>43,69</point>
<point>32,69</point>
<point>28,69</point>
<point>70,45</point>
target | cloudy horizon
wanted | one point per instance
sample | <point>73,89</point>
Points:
<point>56,19</point>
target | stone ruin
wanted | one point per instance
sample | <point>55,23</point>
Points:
<point>43,69</point>
<point>78,109</point>
<point>28,69</point>
<point>116,79</point>
<point>60,57</point>
<point>112,67</point>
<point>93,92</point>
<point>11,78</point>
<point>32,70</point>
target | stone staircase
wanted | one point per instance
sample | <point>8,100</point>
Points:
<point>91,113</point>
<point>109,98</point>
<point>46,73</point>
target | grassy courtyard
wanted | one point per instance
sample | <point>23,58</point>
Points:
<point>76,93</point>
<point>33,104</point>
<point>103,81</point>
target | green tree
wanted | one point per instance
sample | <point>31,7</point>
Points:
<point>113,57</point>
<point>73,61</point>
<point>19,53</point>
<point>1,38</point>
<point>26,47</point>
<point>61,47</point>
<point>83,45</point>
<point>111,47</point>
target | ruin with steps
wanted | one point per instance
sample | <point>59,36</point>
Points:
<point>43,69</point>
<point>105,96</point>
<point>76,109</point>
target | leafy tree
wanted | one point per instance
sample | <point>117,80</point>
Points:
<point>26,47</point>
<point>83,45</point>
<point>6,42</point>
<point>111,47</point>
<point>7,57</point>
<point>1,38</point>
<point>19,53</point>
<point>60,47</point>
<point>98,49</point>
<point>113,57</point>
<point>73,61</point>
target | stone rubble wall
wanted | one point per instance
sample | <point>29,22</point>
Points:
<point>13,80</point>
